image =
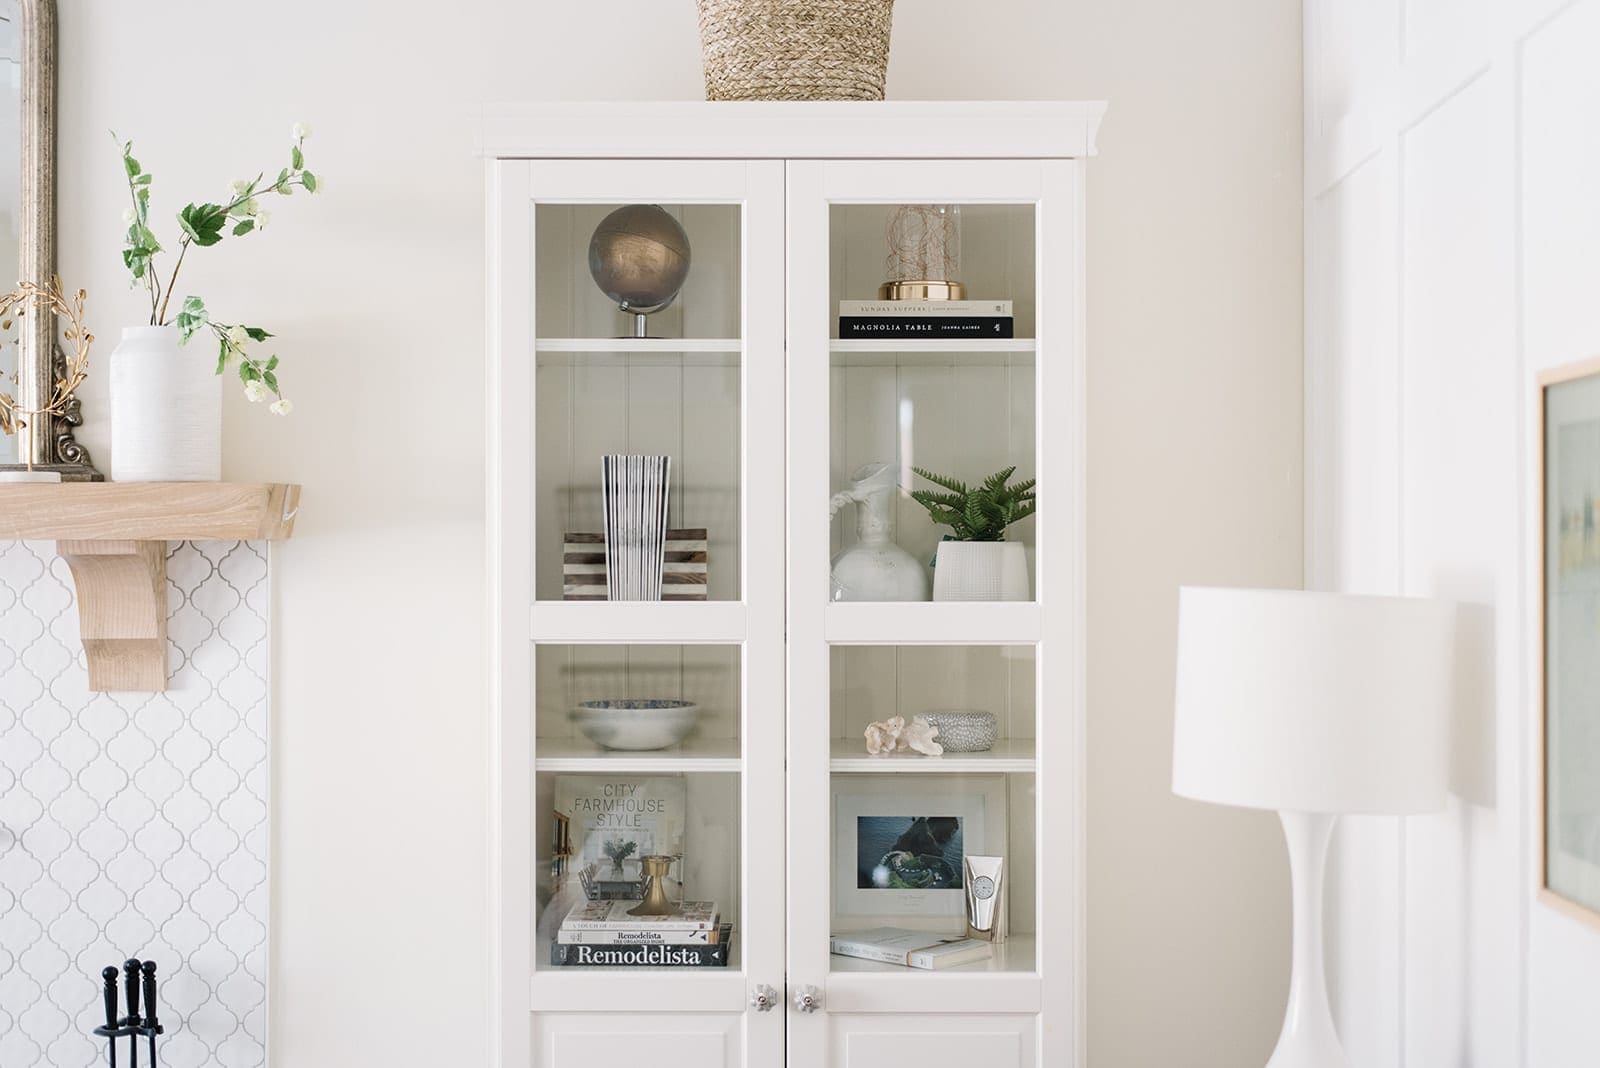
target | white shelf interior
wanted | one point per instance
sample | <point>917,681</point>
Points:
<point>709,869</point>
<point>663,622</point>
<point>708,675</point>
<point>965,408</point>
<point>870,683</point>
<point>568,304</point>
<point>940,911</point>
<point>597,390</point>
<point>997,260</point>
<point>932,622</point>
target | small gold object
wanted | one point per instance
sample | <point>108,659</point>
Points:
<point>656,902</point>
<point>922,289</point>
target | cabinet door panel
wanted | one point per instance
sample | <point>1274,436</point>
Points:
<point>588,1040</point>
<point>934,1041</point>
<point>878,393</point>
<point>571,383</point>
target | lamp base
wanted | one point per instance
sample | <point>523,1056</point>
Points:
<point>1308,1038</point>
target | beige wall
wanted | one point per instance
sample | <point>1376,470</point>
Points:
<point>376,291</point>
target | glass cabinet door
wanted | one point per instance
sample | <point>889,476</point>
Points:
<point>935,586</point>
<point>640,404</point>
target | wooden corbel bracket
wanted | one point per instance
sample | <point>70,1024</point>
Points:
<point>114,535</point>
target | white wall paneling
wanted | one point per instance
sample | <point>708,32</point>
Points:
<point>1451,237</point>
<point>135,824</point>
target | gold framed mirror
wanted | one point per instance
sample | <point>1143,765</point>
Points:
<point>28,230</point>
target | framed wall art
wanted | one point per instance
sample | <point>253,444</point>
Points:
<point>899,841</point>
<point>1569,401</point>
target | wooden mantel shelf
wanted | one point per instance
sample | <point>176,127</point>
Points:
<point>113,537</point>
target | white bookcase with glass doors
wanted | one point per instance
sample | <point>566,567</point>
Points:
<point>770,805</point>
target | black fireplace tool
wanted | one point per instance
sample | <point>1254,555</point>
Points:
<point>132,1026</point>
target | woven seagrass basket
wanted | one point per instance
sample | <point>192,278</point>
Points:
<point>795,49</point>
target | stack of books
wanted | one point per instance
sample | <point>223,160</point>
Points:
<point>602,934</point>
<point>972,319</point>
<point>910,949</point>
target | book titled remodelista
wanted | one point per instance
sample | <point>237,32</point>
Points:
<point>651,955</point>
<point>910,949</point>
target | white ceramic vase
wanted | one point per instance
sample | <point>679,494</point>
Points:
<point>980,571</point>
<point>166,409</point>
<point>874,568</point>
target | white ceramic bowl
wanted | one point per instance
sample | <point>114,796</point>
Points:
<point>635,724</point>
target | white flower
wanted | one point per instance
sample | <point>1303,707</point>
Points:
<point>261,216</point>
<point>280,407</point>
<point>237,189</point>
<point>251,207</point>
<point>300,132</point>
<point>255,392</point>
<point>237,336</point>
<point>128,215</point>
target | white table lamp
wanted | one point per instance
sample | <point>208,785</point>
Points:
<point>1312,704</point>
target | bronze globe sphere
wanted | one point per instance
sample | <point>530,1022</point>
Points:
<point>639,257</point>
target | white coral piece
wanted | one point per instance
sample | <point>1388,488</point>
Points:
<point>879,740</point>
<point>885,736</point>
<point>920,736</point>
<point>893,734</point>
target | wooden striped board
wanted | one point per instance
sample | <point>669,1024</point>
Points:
<point>683,573</point>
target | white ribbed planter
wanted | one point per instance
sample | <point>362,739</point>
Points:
<point>980,571</point>
<point>166,409</point>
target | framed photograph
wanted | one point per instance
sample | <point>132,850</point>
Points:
<point>899,842</point>
<point>1570,713</point>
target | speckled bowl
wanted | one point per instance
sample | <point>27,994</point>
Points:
<point>635,724</point>
<point>962,730</point>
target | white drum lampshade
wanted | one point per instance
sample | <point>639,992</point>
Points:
<point>1313,704</point>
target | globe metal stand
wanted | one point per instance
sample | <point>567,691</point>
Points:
<point>639,257</point>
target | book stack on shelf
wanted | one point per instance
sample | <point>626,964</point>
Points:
<point>972,319</point>
<point>606,934</point>
<point>910,949</point>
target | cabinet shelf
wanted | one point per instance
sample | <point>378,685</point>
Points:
<point>932,350</point>
<point>582,755</point>
<point>932,622</point>
<point>113,537</point>
<point>638,622</point>
<point>849,755</point>
<point>663,346</point>
<point>1015,955</point>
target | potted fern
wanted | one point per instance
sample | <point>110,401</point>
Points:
<point>975,562</point>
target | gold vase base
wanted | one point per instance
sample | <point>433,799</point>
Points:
<point>922,290</point>
<point>656,901</point>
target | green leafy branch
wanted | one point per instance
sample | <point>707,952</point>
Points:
<point>204,225</point>
<point>978,513</point>
<point>259,376</point>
